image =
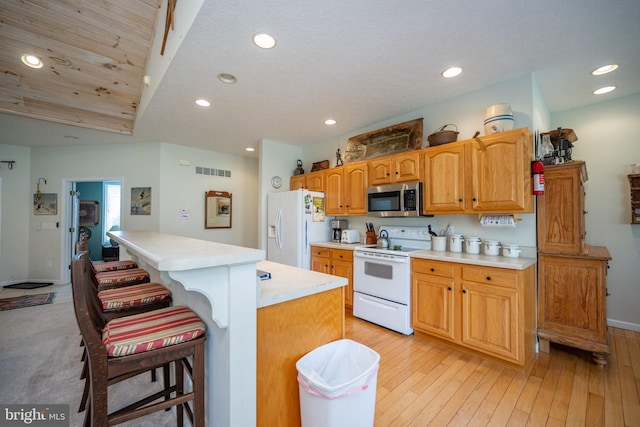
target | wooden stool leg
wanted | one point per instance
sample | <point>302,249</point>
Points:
<point>198,380</point>
<point>179,372</point>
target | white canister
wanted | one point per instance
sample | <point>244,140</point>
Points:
<point>455,242</point>
<point>491,247</point>
<point>439,243</point>
<point>472,244</point>
<point>498,118</point>
<point>511,250</point>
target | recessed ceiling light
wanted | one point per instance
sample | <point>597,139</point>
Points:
<point>250,149</point>
<point>31,60</point>
<point>227,78</point>
<point>604,90</point>
<point>330,122</point>
<point>452,72</point>
<point>203,102</point>
<point>265,41</point>
<point>604,69</point>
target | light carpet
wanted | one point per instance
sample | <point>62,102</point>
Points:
<point>40,362</point>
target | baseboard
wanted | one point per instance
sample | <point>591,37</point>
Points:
<point>623,325</point>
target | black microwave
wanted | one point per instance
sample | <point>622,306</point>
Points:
<point>395,200</point>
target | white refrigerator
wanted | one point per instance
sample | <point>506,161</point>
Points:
<point>295,219</point>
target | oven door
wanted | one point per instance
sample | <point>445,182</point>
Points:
<point>383,276</point>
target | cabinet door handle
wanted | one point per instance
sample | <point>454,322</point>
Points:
<point>464,291</point>
<point>433,269</point>
<point>449,288</point>
<point>489,278</point>
<point>460,200</point>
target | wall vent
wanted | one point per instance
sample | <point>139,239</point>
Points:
<point>201,170</point>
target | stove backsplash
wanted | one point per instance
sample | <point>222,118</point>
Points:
<point>523,234</point>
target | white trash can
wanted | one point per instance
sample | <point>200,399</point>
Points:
<point>337,385</point>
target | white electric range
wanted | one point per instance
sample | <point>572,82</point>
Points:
<point>382,278</point>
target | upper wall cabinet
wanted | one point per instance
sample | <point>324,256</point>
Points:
<point>489,174</point>
<point>403,167</point>
<point>313,181</point>
<point>346,189</point>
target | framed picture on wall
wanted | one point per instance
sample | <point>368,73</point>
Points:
<point>141,201</point>
<point>45,204</point>
<point>89,213</point>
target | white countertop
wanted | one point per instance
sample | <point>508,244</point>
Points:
<point>337,245</point>
<point>288,283</point>
<point>520,263</point>
<point>166,252</point>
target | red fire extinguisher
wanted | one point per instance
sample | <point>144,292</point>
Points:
<point>537,171</point>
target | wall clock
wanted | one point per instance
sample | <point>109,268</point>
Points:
<point>276,182</point>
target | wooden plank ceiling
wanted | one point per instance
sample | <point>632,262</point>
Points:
<point>95,55</point>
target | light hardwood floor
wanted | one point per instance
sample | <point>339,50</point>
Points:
<point>421,382</point>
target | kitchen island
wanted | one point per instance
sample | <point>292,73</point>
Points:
<point>242,315</point>
<point>298,311</point>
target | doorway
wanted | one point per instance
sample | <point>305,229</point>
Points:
<point>95,208</point>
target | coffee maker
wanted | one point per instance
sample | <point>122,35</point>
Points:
<point>338,225</point>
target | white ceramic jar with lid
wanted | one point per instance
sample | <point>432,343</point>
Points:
<point>472,244</point>
<point>511,250</point>
<point>491,247</point>
<point>455,242</point>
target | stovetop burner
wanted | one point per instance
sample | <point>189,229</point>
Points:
<point>402,241</point>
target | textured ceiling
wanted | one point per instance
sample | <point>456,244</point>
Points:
<point>361,62</point>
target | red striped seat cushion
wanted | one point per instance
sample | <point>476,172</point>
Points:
<point>152,330</point>
<point>101,267</point>
<point>122,277</point>
<point>134,295</point>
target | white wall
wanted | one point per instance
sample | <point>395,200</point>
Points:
<point>608,142</point>
<point>182,188</point>
<point>30,251</point>
<point>17,202</point>
<point>276,159</point>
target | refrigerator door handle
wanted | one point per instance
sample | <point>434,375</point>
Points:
<point>279,229</point>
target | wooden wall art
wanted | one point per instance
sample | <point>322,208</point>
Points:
<point>383,142</point>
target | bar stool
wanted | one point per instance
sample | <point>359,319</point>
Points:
<point>130,345</point>
<point>120,278</point>
<point>101,267</point>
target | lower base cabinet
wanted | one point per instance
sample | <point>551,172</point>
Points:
<point>285,333</point>
<point>572,307</point>
<point>338,262</point>
<point>486,309</point>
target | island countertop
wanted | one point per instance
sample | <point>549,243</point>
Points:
<point>166,252</point>
<point>288,283</point>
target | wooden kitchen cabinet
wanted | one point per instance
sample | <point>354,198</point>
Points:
<point>572,306</point>
<point>572,290</point>
<point>432,299</point>
<point>488,174</point>
<point>403,167</point>
<point>320,259</point>
<point>346,190</point>
<point>560,219</point>
<point>444,185</point>
<point>486,309</point>
<point>338,262</point>
<point>490,311</point>
<point>313,181</point>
